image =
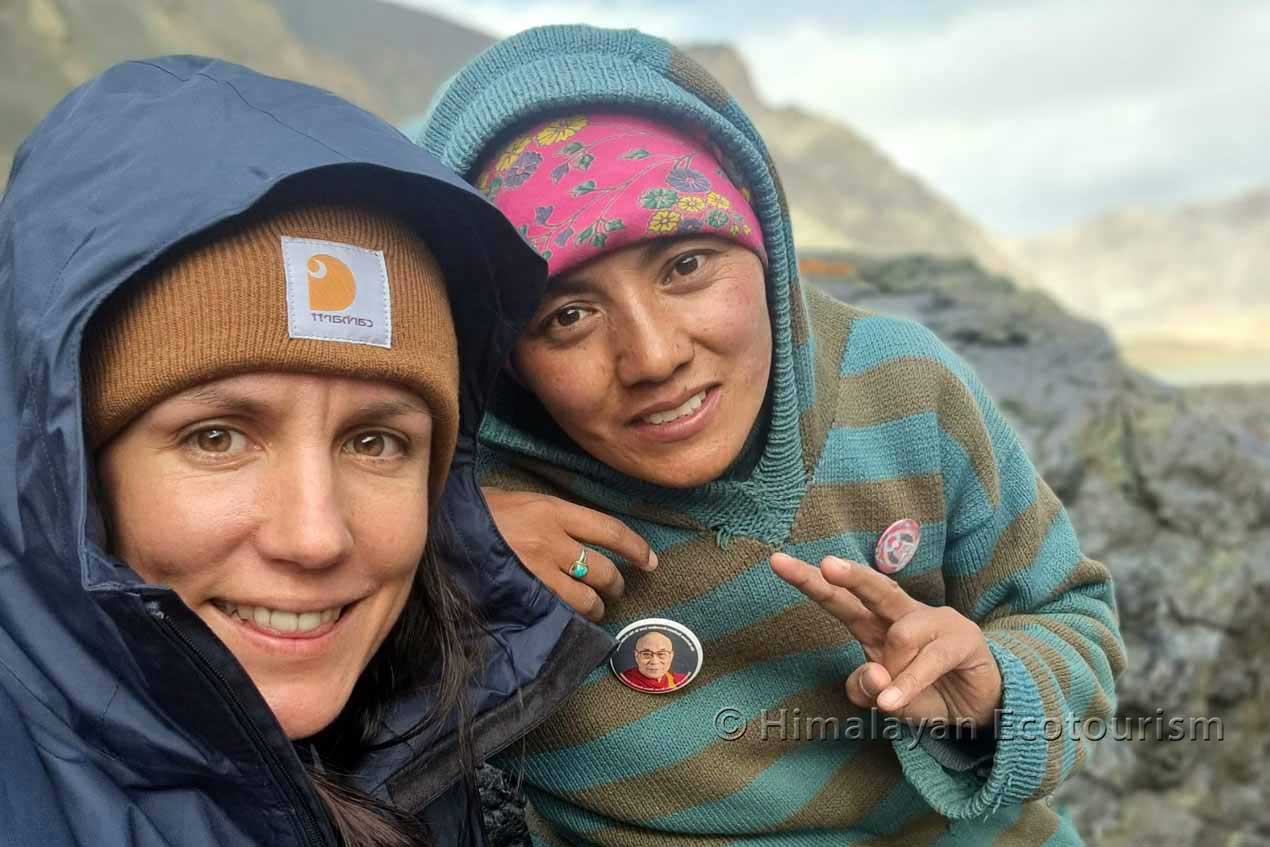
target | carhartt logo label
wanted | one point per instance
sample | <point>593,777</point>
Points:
<point>332,287</point>
<point>337,292</point>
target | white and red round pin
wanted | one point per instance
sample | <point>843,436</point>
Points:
<point>898,545</point>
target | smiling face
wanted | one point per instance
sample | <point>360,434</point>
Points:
<point>653,654</point>
<point>289,512</point>
<point>655,358</point>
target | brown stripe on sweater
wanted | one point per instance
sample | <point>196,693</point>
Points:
<point>1082,745</point>
<point>1015,551</point>
<point>1050,702</point>
<point>925,830</point>
<point>847,798</point>
<point>633,836</point>
<point>831,321</point>
<point>1106,640</point>
<point>1080,641</point>
<point>831,508</point>
<point>1100,706</point>
<point>909,385</point>
<point>607,705</point>
<point>926,587</point>
<point>720,769</point>
<point>642,509</point>
<point>684,571</point>
<point>512,478</point>
<point>1053,659</point>
<point>1035,825</point>
<point>1087,572</point>
<point>1110,645</point>
<point>541,478</point>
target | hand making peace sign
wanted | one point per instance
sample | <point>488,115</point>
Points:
<point>924,662</point>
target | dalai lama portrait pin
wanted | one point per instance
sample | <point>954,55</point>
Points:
<point>656,656</point>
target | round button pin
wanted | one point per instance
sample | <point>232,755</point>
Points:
<point>897,545</point>
<point>656,656</point>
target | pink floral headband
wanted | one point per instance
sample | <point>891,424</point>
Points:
<point>581,186</point>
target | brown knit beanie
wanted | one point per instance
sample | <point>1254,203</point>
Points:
<point>310,288</point>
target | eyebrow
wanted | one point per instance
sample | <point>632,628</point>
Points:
<point>239,404</point>
<point>652,249</point>
<point>391,409</point>
<point>234,403</point>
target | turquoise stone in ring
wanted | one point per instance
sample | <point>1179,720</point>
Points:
<point>579,568</point>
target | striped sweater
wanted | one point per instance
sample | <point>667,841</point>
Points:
<point>872,420</point>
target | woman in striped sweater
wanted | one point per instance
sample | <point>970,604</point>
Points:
<point>812,495</point>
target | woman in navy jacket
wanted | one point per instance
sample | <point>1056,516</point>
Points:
<point>124,717</point>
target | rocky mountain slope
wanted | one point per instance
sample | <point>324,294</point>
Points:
<point>1181,288</point>
<point>1169,487</point>
<point>390,59</point>
<point>50,46</point>
<point>845,193</point>
<point>383,57</point>
<point>403,54</point>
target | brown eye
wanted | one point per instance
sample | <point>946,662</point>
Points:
<point>214,440</point>
<point>376,445</point>
<point>687,265</point>
<point>568,317</point>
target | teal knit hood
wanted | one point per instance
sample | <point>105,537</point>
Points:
<point>559,69</point>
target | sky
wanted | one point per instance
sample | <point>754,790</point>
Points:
<point>1029,115</point>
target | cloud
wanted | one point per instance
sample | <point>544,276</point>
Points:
<point>1028,115</point>
<point>1034,115</point>
<point>502,18</point>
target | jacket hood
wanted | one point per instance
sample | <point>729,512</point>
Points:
<point>563,69</point>
<point>127,166</point>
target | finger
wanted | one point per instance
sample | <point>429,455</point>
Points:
<point>878,592</point>
<point>907,636</point>
<point>808,579</point>
<point>602,575</point>
<point>930,664</point>
<point>592,527</point>
<point>578,595</point>
<point>865,682</point>
<point>843,605</point>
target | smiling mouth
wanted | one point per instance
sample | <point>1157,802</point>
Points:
<point>689,406</point>
<point>284,622</point>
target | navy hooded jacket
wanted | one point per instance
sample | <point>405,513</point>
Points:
<point>123,720</point>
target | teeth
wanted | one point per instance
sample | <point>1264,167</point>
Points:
<point>279,620</point>
<point>689,406</point>
<point>284,621</point>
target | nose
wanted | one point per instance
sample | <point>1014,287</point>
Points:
<point>303,519</point>
<point>652,345</point>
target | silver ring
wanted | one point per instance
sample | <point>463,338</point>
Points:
<point>579,568</point>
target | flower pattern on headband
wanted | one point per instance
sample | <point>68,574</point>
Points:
<point>600,177</point>
<point>559,130</point>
